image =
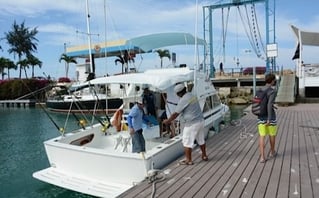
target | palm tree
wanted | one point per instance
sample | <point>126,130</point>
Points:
<point>6,63</point>
<point>22,41</point>
<point>162,54</point>
<point>24,63</point>
<point>67,59</point>
<point>124,59</point>
<point>2,68</point>
<point>34,61</point>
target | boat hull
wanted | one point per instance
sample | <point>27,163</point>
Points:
<point>63,105</point>
<point>102,161</point>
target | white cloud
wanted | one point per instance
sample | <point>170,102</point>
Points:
<point>58,21</point>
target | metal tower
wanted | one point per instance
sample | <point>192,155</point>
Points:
<point>208,30</point>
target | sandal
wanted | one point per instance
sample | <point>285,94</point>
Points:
<point>272,155</point>
<point>184,162</point>
<point>205,158</point>
<point>262,161</point>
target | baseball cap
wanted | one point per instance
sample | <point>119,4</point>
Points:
<point>178,88</point>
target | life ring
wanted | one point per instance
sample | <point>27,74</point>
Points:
<point>116,119</point>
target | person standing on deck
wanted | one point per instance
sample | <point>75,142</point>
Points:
<point>135,121</point>
<point>149,101</point>
<point>191,114</point>
<point>267,123</point>
<point>221,68</point>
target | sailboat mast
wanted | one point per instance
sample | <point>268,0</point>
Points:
<point>89,35</point>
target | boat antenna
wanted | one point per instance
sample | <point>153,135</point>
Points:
<point>196,61</point>
<point>89,36</point>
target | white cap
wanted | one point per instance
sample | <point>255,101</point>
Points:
<point>139,100</point>
<point>179,87</point>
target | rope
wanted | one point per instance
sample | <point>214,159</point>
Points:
<point>61,130</point>
<point>156,180</point>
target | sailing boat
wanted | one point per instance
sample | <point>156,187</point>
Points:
<point>87,98</point>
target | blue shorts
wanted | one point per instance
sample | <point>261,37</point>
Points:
<point>138,142</point>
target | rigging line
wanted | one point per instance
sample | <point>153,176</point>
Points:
<point>42,107</point>
<point>254,31</point>
<point>245,28</point>
<point>96,105</point>
<point>224,31</point>
<point>75,116</point>
<point>105,36</point>
<point>196,58</point>
<point>251,33</point>
<point>80,107</point>
<point>253,42</point>
<point>237,38</point>
<point>253,13</point>
<point>223,36</point>
<point>260,38</point>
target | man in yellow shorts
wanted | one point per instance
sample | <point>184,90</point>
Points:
<point>267,123</point>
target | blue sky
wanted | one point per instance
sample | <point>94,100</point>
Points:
<point>61,21</point>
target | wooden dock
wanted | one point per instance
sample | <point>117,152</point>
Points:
<point>234,170</point>
<point>17,103</point>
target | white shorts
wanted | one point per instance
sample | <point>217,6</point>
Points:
<point>192,133</point>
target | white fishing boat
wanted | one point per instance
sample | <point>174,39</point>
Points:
<point>98,160</point>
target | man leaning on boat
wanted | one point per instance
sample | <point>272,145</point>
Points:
<point>135,122</point>
<point>189,109</point>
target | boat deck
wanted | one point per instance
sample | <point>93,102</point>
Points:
<point>233,169</point>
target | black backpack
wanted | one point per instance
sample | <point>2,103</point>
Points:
<point>259,103</point>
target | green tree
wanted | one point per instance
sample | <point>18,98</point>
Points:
<point>22,41</point>
<point>6,63</point>
<point>162,54</point>
<point>33,61</point>
<point>67,59</point>
<point>23,65</point>
<point>2,69</point>
<point>124,59</point>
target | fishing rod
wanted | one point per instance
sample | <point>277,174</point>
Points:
<point>80,122</point>
<point>106,125</point>
<point>79,105</point>
<point>60,129</point>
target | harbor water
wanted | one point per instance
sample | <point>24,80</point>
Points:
<point>22,133</point>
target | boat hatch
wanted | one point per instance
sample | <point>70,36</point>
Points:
<point>83,140</point>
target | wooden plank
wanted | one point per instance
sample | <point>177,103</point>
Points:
<point>229,178</point>
<point>313,137</point>
<point>193,174</point>
<point>177,172</point>
<point>284,127</point>
<point>226,166</point>
<point>234,169</point>
<point>305,184</point>
<point>283,188</point>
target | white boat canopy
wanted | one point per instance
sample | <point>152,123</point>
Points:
<point>159,79</point>
<point>141,44</point>
<point>153,41</point>
<point>306,38</point>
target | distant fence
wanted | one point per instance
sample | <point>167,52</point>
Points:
<point>242,71</point>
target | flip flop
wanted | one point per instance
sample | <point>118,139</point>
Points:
<point>262,161</point>
<point>205,158</point>
<point>272,155</point>
<point>184,162</point>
